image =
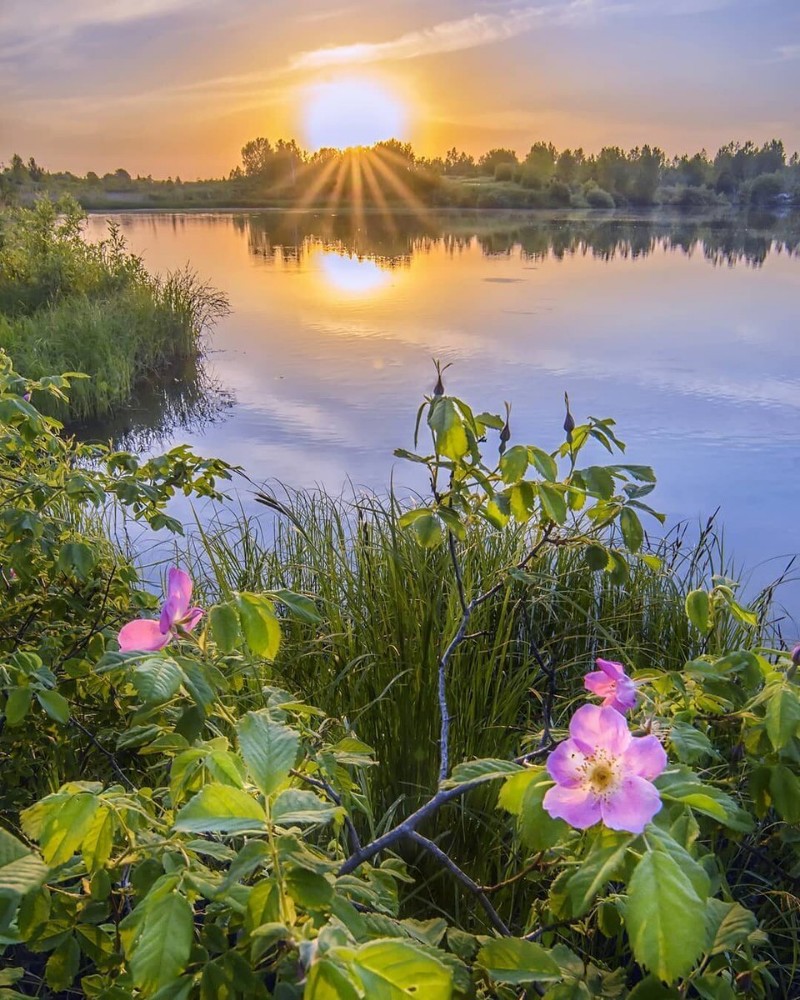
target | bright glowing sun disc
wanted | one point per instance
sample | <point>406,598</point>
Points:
<point>352,113</point>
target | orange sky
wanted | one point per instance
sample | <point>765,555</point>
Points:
<point>177,86</point>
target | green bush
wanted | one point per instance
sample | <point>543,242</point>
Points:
<point>596,197</point>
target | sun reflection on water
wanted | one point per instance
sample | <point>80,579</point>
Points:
<point>353,276</point>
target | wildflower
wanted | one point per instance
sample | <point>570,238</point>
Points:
<point>26,396</point>
<point>604,774</point>
<point>147,635</point>
<point>796,655</point>
<point>613,685</point>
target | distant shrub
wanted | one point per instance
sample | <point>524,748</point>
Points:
<point>558,193</point>
<point>597,197</point>
<point>504,172</point>
<point>765,189</point>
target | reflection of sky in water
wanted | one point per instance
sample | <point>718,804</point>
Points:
<point>328,354</point>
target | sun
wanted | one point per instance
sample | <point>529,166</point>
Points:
<point>352,112</point>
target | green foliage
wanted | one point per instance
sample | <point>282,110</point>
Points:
<point>176,824</point>
<point>69,304</point>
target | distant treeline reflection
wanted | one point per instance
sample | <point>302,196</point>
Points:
<point>394,240</point>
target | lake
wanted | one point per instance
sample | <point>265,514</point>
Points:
<point>686,332</point>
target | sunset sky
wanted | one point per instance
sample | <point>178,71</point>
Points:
<point>168,87</point>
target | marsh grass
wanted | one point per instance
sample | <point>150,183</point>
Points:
<point>389,607</point>
<point>70,305</point>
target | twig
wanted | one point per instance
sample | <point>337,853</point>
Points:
<point>463,878</point>
<point>106,753</point>
<point>323,786</point>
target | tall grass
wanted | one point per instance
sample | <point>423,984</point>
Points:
<point>69,305</point>
<point>389,607</point>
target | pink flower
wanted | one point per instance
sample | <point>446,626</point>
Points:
<point>603,774</point>
<point>26,396</point>
<point>146,635</point>
<point>613,685</point>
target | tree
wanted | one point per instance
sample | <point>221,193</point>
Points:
<point>256,155</point>
<point>488,162</point>
<point>541,161</point>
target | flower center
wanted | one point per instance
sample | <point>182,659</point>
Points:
<point>600,774</point>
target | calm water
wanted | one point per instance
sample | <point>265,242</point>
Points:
<point>688,335</point>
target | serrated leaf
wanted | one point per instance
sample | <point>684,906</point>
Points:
<point>517,962</point>
<point>261,628</point>
<point>225,630</point>
<point>631,528</point>
<point>17,705</point>
<point>55,704</point>
<point>544,463</point>
<point>221,809</point>
<point>597,869</point>
<point>486,769</point>
<point>299,605</point>
<point>157,679</point>
<point>327,981</point>
<point>448,427</point>
<point>392,969</point>
<point>554,505</point>
<point>66,827</point>
<point>63,965</point>
<point>514,464</point>
<point>665,917</point>
<point>782,716</point>
<point>698,610</point>
<point>21,870</point>
<point>160,950</point>
<point>297,806</point>
<point>269,749</point>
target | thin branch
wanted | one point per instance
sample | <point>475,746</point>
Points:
<point>106,753</point>
<point>515,878</point>
<point>463,878</point>
<point>323,786</point>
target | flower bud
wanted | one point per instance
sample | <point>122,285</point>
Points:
<point>796,655</point>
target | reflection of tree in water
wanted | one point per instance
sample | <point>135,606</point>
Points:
<point>394,239</point>
<point>186,398</point>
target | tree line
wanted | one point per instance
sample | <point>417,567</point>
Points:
<point>391,171</point>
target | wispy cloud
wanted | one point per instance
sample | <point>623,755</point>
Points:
<point>447,36</point>
<point>785,53</point>
<point>485,29</point>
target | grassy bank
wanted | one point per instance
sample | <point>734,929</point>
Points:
<point>70,305</point>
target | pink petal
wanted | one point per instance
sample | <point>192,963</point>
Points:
<point>632,805</point>
<point>179,591</point>
<point>577,806</point>
<point>626,695</point>
<point>613,670</point>
<point>599,683</point>
<point>594,727</point>
<point>143,636</point>
<point>170,615</point>
<point>645,757</point>
<point>565,762</point>
<point>193,616</point>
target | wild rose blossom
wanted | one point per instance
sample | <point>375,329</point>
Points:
<point>146,635</point>
<point>613,685</point>
<point>603,774</point>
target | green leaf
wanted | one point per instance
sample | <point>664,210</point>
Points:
<point>679,784</point>
<point>517,962</point>
<point>299,605</point>
<point>295,805</point>
<point>631,528</point>
<point>513,464</point>
<point>545,464</point>
<point>521,498</point>
<point>428,529</point>
<point>448,427</point>
<point>782,716</point>
<point>261,628</point>
<point>731,925</point>
<point>665,917</point>
<point>76,559</point>
<point>391,970</point>
<point>63,965</point>
<point>553,503</point>
<point>225,629</point>
<point>309,889</point>
<point>698,610</point>
<point>99,840</point>
<point>221,809</point>
<point>486,769</point>
<point>269,750</point>
<point>327,981</point>
<point>160,950</point>
<point>597,869</point>
<point>66,827</point>
<point>157,679</point>
<point>596,557</point>
<point>55,704</point>
<point>689,743</point>
<point>522,794</point>
<point>652,989</point>
<point>20,869</point>
<point>17,705</point>
<point>784,788</point>
<point>598,481</point>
